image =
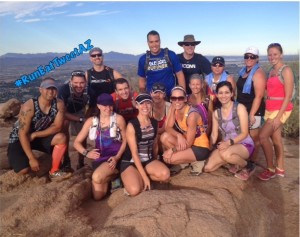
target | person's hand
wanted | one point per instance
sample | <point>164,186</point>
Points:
<point>32,136</point>
<point>181,142</point>
<point>276,123</point>
<point>252,120</point>
<point>34,164</point>
<point>147,185</point>
<point>223,145</point>
<point>112,162</point>
<point>93,154</point>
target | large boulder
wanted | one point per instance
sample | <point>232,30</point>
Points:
<point>10,108</point>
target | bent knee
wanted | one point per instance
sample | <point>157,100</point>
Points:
<point>98,178</point>
<point>133,190</point>
<point>23,171</point>
<point>164,175</point>
<point>59,138</point>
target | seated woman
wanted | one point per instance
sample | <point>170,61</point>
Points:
<point>232,121</point>
<point>185,139</point>
<point>198,98</point>
<point>139,163</point>
<point>160,109</point>
<point>110,143</point>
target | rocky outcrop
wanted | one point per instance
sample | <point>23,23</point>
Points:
<point>10,109</point>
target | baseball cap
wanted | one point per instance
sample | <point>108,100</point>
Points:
<point>253,50</point>
<point>95,49</point>
<point>48,83</point>
<point>219,60</point>
<point>105,99</point>
<point>141,98</point>
<point>158,87</point>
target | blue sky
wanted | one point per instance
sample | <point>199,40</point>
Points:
<point>225,28</point>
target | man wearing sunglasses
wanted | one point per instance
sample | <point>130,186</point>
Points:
<point>38,128</point>
<point>159,65</point>
<point>100,77</point>
<point>192,62</point>
<point>78,99</point>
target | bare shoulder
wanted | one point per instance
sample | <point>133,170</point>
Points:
<point>27,108</point>
<point>259,74</point>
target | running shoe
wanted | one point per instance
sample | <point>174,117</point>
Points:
<point>59,175</point>
<point>197,167</point>
<point>245,173</point>
<point>234,169</point>
<point>279,172</point>
<point>266,175</point>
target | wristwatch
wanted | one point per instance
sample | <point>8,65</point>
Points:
<point>85,153</point>
<point>231,142</point>
<point>80,120</point>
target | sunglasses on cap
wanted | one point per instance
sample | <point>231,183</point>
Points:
<point>189,44</point>
<point>158,87</point>
<point>274,44</point>
<point>175,98</point>
<point>78,73</point>
<point>217,65</point>
<point>250,56</point>
<point>96,55</point>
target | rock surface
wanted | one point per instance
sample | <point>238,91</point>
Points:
<point>215,204</point>
<point>10,108</point>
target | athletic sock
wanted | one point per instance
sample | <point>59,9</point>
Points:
<point>57,155</point>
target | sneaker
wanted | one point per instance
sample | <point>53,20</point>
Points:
<point>234,169</point>
<point>184,166</point>
<point>245,173</point>
<point>126,193</point>
<point>197,167</point>
<point>266,175</point>
<point>279,172</point>
<point>59,175</point>
<point>175,169</point>
<point>115,184</point>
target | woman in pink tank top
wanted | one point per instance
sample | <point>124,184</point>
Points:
<point>280,87</point>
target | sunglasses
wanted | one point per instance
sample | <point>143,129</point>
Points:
<point>158,88</point>
<point>274,44</point>
<point>189,45</point>
<point>217,65</point>
<point>247,56</point>
<point>96,55</point>
<point>179,98</point>
<point>78,73</point>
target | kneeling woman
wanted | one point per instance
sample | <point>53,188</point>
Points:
<point>139,163</point>
<point>232,120</point>
<point>110,143</point>
<point>185,138</point>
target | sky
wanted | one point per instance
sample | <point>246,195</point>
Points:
<point>224,28</point>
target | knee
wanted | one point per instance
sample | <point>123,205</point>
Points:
<point>225,156</point>
<point>164,175</point>
<point>98,178</point>
<point>133,190</point>
<point>60,138</point>
<point>163,137</point>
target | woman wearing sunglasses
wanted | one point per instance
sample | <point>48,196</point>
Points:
<point>185,139</point>
<point>139,162</point>
<point>236,145</point>
<point>251,86</point>
<point>110,142</point>
<point>217,75</point>
<point>280,86</point>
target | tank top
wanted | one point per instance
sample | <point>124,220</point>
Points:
<point>101,82</point>
<point>247,99</point>
<point>201,139</point>
<point>230,131</point>
<point>107,145</point>
<point>276,89</point>
<point>39,122</point>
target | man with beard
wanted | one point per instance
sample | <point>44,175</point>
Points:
<point>78,98</point>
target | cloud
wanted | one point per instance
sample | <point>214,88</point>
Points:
<point>89,13</point>
<point>52,13</point>
<point>32,20</point>
<point>79,4</point>
<point>27,9</point>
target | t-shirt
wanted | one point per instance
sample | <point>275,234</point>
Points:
<point>75,103</point>
<point>159,71</point>
<point>197,64</point>
<point>125,107</point>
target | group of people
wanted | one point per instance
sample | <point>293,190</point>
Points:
<point>188,112</point>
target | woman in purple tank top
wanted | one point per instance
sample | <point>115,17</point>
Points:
<point>110,142</point>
